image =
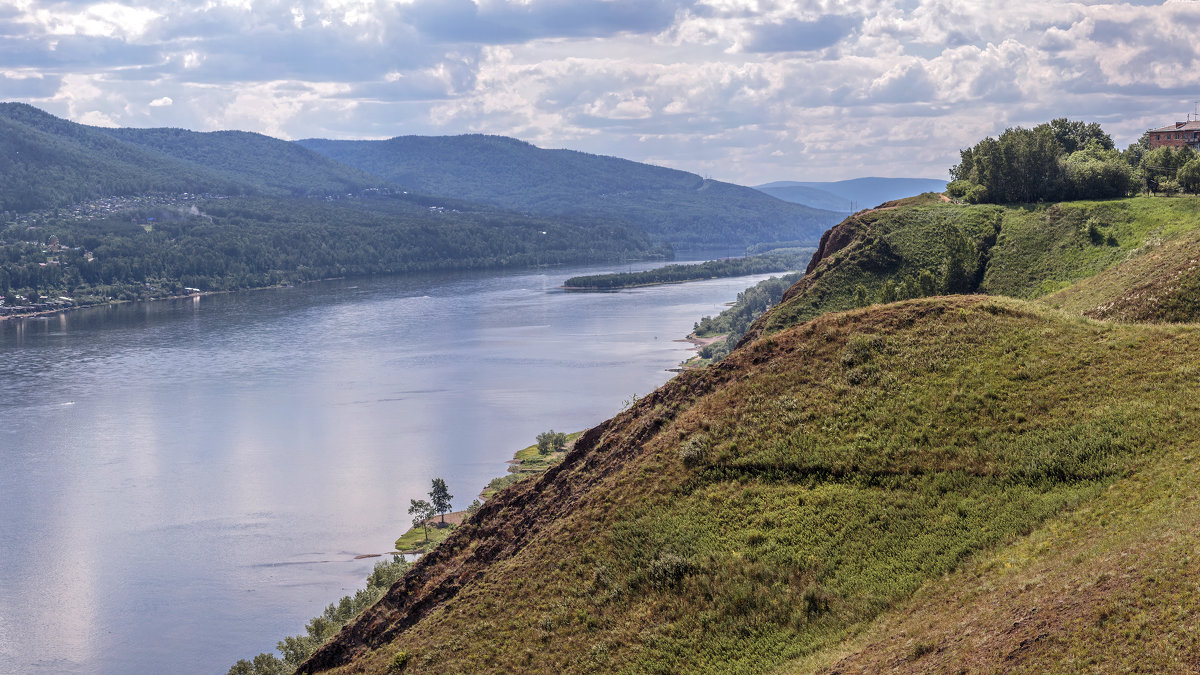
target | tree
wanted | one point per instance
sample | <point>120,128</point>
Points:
<point>1188,176</point>
<point>1096,173</point>
<point>421,511</point>
<point>551,441</point>
<point>1077,135</point>
<point>440,496</point>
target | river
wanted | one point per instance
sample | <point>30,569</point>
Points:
<point>186,482</point>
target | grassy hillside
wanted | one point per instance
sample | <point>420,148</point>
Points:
<point>1020,251</point>
<point>670,205</point>
<point>940,483</point>
<point>769,509</point>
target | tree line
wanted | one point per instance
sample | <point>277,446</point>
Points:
<point>249,242</point>
<point>1064,160</point>
<point>712,269</point>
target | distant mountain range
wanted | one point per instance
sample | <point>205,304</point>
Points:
<point>48,162</point>
<point>669,205</point>
<point>845,196</point>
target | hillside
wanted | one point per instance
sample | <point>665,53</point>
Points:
<point>90,216</point>
<point>850,195</point>
<point>1019,251</point>
<point>925,485</point>
<point>268,165</point>
<point>48,162</point>
<point>675,206</point>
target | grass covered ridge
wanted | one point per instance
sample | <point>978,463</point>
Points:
<point>767,509</point>
<point>1026,252</point>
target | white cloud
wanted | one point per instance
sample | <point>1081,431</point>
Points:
<point>746,90</point>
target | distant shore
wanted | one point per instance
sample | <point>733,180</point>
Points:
<point>197,294</point>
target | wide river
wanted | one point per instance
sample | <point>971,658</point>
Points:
<point>184,483</point>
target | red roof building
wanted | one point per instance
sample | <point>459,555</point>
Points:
<point>1177,135</point>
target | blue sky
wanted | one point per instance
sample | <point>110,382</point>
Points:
<point>748,91</point>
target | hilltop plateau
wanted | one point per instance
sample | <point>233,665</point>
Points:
<point>881,477</point>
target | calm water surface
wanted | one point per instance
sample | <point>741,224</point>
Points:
<point>186,482</point>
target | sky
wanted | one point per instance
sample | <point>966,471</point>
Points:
<point>748,91</point>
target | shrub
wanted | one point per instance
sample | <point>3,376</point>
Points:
<point>959,188</point>
<point>816,600</point>
<point>399,661</point>
<point>667,570</point>
<point>694,450</point>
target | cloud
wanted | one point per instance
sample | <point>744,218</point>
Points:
<point>795,35</point>
<point>748,90</point>
<point>506,22</point>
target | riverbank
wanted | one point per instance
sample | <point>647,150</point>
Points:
<point>697,343</point>
<point>183,296</point>
<point>525,464</point>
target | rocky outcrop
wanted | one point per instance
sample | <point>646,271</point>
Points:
<point>835,239</point>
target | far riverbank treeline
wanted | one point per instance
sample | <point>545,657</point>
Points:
<point>141,250</point>
<point>712,269</point>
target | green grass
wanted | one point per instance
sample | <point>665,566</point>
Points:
<point>852,461</point>
<point>892,244</point>
<point>414,540</point>
<point>1039,250</point>
<point>1045,249</point>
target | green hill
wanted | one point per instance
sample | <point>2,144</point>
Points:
<point>97,215</point>
<point>926,485</point>
<point>268,165</point>
<point>670,205</point>
<point>47,162</point>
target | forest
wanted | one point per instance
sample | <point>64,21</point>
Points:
<point>712,269</point>
<point>248,242</point>
<point>673,206</point>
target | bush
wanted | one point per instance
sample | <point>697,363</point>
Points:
<point>694,450</point>
<point>399,661</point>
<point>551,441</point>
<point>667,570</point>
<point>816,600</point>
<point>959,188</point>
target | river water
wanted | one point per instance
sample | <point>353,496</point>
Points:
<point>186,482</point>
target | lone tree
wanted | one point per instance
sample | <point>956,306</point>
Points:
<point>440,496</point>
<point>421,511</point>
<point>551,441</point>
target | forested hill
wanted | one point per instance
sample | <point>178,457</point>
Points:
<point>670,205</point>
<point>48,162</point>
<point>269,165</point>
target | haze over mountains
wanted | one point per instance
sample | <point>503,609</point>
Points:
<point>850,195</point>
<point>50,162</point>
